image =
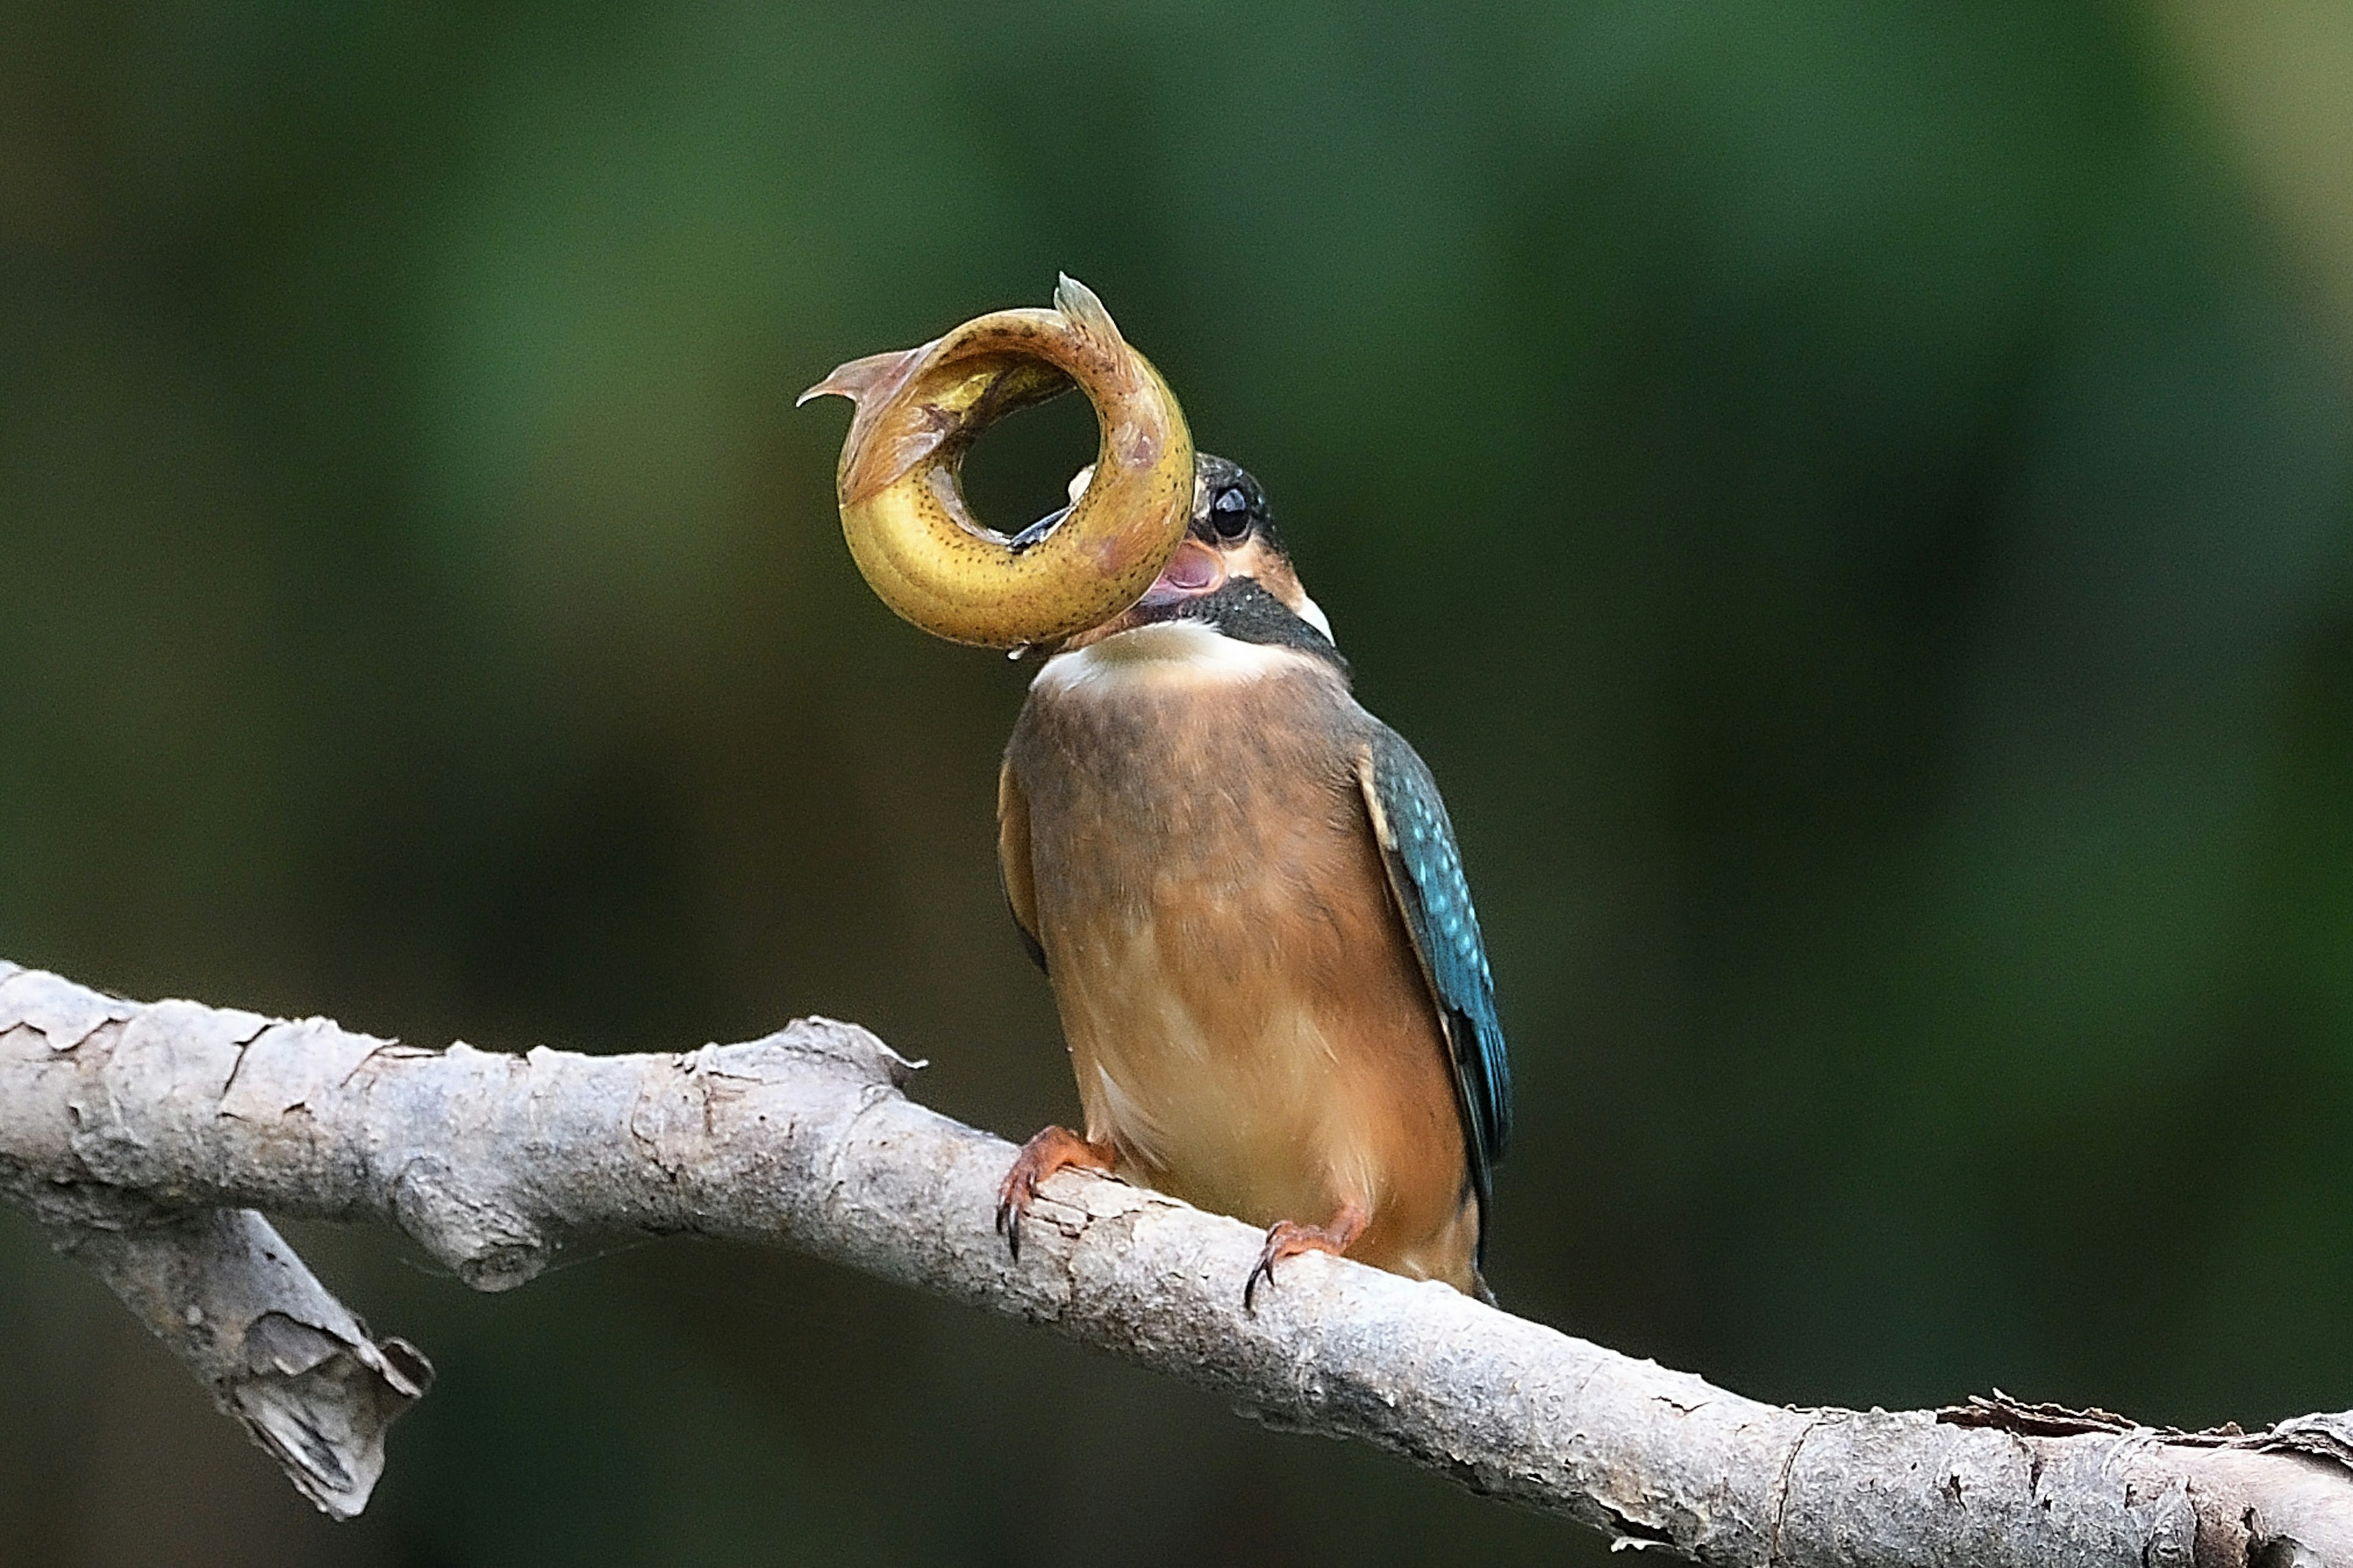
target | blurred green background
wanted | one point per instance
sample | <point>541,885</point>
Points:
<point>1851,499</point>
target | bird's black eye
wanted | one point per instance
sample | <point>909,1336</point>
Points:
<point>1230,514</point>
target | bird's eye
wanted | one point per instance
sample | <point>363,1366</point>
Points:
<point>1230,514</point>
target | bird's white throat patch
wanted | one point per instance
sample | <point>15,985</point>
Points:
<point>1164,651</point>
<point>1311,612</point>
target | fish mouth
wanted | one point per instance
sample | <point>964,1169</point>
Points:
<point>1194,570</point>
<point>1192,576</point>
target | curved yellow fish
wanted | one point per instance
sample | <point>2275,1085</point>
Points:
<point>919,411</point>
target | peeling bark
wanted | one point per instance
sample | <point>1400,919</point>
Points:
<point>140,1135</point>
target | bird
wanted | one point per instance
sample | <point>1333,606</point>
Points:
<point>1247,897</point>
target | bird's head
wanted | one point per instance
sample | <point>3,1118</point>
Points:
<point>1229,571</point>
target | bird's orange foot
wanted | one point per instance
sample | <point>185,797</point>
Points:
<point>1055,1149</point>
<point>1289,1238</point>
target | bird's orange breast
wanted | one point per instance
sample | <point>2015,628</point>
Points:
<point>1248,1023</point>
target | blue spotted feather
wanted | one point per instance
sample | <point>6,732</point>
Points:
<point>1426,874</point>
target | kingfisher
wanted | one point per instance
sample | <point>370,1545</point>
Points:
<point>1242,887</point>
<point>1247,896</point>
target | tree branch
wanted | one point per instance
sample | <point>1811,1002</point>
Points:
<point>140,1134</point>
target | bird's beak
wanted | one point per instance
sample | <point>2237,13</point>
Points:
<point>919,411</point>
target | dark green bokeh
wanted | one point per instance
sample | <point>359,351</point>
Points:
<point>1848,497</point>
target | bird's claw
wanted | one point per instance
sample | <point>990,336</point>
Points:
<point>1262,1269</point>
<point>1289,1238</point>
<point>1053,1149</point>
<point>1284,1239</point>
<point>1012,1202</point>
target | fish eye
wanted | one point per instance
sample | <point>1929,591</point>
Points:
<point>1230,514</point>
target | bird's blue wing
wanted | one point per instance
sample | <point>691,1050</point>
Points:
<point>1426,875</point>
